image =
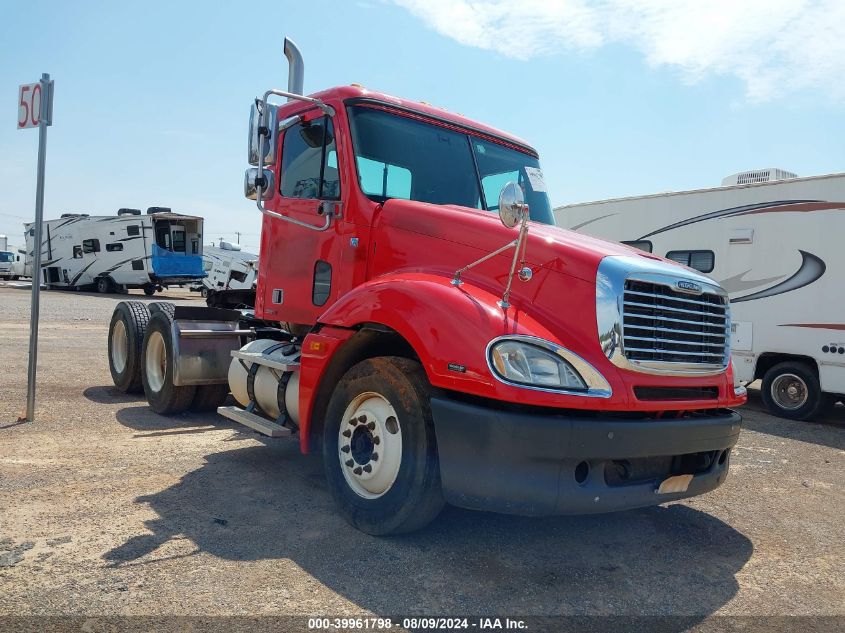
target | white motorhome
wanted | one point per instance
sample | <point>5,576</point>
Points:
<point>227,268</point>
<point>775,245</point>
<point>127,250</point>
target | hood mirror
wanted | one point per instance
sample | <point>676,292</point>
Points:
<point>252,182</point>
<point>512,207</point>
<point>264,123</point>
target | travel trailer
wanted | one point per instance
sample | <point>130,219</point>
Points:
<point>115,253</point>
<point>772,241</point>
<point>227,267</point>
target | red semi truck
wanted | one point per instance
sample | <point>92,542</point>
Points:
<point>420,320</point>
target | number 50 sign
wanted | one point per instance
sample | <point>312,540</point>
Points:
<point>30,99</point>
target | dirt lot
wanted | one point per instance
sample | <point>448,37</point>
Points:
<point>106,508</point>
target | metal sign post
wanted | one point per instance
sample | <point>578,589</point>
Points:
<point>35,108</point>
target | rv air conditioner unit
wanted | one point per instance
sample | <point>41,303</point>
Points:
<point>129,211</point>
<point>759,175</point>
<point>154,210</point>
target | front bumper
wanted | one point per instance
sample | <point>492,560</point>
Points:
<point>533,464</point>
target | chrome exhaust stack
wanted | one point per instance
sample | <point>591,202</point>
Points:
<point>296,68</point>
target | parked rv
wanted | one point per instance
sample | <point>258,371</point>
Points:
<point>227,267</point>
<point>772,240</point>
<point>115,253</point>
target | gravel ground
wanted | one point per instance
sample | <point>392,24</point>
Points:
<point>109,509</point>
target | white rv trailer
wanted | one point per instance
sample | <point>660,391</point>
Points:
<point>776,246</point>
<point>127,250</point>
<point>227,268</point>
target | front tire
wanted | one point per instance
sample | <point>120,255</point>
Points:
<point>791,390</point>
<point>149,290</point>
<point>158,366</point>
<point>379,447</point>
<point>103,285</point>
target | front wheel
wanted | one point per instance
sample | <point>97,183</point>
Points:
<point>103,285</point>
<point>149,290</point>
<point>379,447</point>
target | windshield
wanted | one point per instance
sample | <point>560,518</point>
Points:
<point>399,157</point>
<point>6,257</point>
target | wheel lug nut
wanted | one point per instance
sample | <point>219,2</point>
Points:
<point>371,425</point>
<point>353,422</point>
<point>347,433</point>
<point>357,471</point>
<point>368,469</point>
<point>376,441</point>
<point>345,449</point>
<point>374,457</point>
<point>350,462</point>
<point>362,418</point>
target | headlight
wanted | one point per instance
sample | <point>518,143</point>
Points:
<point>528,364</point>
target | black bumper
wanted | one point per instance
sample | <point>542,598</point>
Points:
<point>524,463</point>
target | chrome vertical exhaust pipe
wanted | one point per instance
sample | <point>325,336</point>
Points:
<point>296,68</point>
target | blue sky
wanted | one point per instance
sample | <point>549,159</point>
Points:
<point>620,98</point>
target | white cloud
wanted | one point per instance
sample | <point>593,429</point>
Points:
<point>775,46</point>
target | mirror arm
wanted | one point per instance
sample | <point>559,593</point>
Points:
<point>260,182</point>
<point>456,280</point>
<point>520,246</point>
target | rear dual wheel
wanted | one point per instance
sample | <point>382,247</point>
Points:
<point>126,337</point>
<point>158,370</point>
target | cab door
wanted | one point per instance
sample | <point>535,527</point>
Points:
<point>299,263</point>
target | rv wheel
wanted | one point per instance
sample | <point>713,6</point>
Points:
<point>103,285</point>
<point>791,390</point>
<point>157,368</point>
<point>126,336</point>
<point>149,290</point>
<point>379,447</point>
<point>204,292</point>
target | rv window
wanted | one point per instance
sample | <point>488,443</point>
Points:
<point>77,252</point>
<point>643,245</point>
<point>309,161</point>
<point>117,246</point>
<point>90,246</point>
<point>237,275</point>
<point>178,241</point>
<point>163,236</point>
<point>702,261</point>
<point>133,229</point>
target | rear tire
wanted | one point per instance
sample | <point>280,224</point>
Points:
<point>379,447</point>
<point>126,337</point>
<point>157,368</point>
<point>209,397</point>
<point>103,285</point>
<point>791,390</point>
<point>149,290</point>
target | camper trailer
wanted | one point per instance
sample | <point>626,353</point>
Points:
<point>116,253</point>
<point>773,241</point>
<point>227,267</point>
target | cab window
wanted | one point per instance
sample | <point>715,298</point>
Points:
<point>309,161</point>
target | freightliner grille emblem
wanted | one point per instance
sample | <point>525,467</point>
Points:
<point>689,286</point>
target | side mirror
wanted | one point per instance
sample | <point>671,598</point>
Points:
<point>268,123</point>
<point>512,207</point>
<point>252,180</point>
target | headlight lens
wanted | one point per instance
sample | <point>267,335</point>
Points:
<point>530,365</point>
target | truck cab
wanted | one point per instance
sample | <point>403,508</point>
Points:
<point>420,321</point>
<point>7,262</point>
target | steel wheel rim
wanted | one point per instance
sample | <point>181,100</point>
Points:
<point>370,445</point>
<point>790,392</point>
<point>119,346</point>
<point>156,364</point>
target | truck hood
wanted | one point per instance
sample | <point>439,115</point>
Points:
<point>475,233</point>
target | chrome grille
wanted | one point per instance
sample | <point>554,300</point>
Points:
<point>662,325</point>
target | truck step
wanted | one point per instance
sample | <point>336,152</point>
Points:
<point>255,422</point>
<point>260,359</point>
